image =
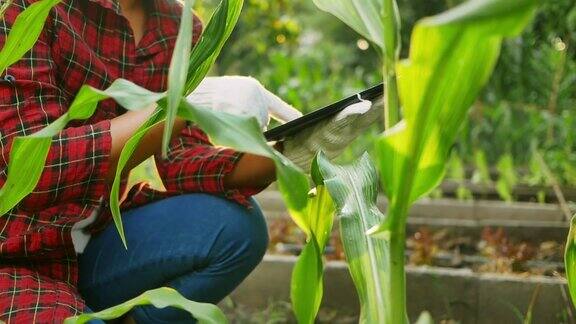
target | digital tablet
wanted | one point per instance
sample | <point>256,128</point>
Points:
<point>295,126</point>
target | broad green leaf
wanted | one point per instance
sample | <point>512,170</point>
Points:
<point>306,288</point>
<point>202,57</point>
<point>313,215</point>
<point>127,151</point>
<point>178,72</point>
<point>25,31</point>
<point>244,134</point>
<point>213,39</point>
<point>570,260</point>
<point>354,190</point>
<point>28,153</point>
<point>307,277</point>
<point>160,298</point>
<point>378,21</point>
<point>364,16</point>
<point>452,55</point>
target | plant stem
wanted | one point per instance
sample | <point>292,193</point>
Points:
<point>555,92</point>
<point>391,25</point>
<point>391,101</point>
<point>395,278</point>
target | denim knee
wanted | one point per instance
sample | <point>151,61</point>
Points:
<point>247,236</point>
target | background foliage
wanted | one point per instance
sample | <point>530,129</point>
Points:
<point>311,59</point>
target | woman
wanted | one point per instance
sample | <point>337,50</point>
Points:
<point>200,244</point>
<point>59,253</point>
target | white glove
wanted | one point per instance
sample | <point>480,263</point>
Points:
<point>243,96</point>
<point>332,135</point>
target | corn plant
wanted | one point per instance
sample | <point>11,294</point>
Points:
<point>160,298</point>
<point>451,58</point>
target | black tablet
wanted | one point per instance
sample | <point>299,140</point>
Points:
<point>295,126</point>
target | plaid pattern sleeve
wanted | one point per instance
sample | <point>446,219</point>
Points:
<point>77,162</point>
<point>193,164</point>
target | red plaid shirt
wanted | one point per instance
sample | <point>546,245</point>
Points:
<point>83,42</point>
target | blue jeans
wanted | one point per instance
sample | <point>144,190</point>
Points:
<point>202,246</point>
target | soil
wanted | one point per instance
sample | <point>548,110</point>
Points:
<point>491,251</point>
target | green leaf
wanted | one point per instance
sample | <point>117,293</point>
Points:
<point>244,134</point>
<point>482,171</point>
<point>354,190</point>
<point>378,21</point>
<point>202,57</point>
<point>314,214</point>
<point>364,16</point>
<point>452,55</point>
<point>570,260</point>
<point>127,151</point>
<point>28,153</point>
<point>212,40</point>
<point>507,178</point>
<point>25,32</point>
<point>178,72</point>
<point>307,287</point>
<point>160,298</point>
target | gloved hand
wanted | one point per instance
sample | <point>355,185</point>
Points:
<point>242,96</point>
<point>332,135</point>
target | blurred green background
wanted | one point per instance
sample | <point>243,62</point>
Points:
<point>311,59</point>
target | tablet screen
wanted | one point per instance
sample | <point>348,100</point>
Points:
<point>295,126</point>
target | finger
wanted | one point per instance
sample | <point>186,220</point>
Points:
<point>358,108</point>
<point>279,109</point>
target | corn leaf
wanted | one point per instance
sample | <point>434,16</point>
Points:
<point>202,57</point>
<point>127,151</point>
<point>570,260</point>
<point>308,274</point>
<point>25,31</point>
<point>452,55</point>
<point>244,134</point>
<point>28,153</point>
<point>379,22</point>
<point>178,72</point>
<point>160,298</point>
<point>354,190</point>
<point>364,16</point>
<point>306,288</point>
<point>313,215</point>
<point>218,30</point>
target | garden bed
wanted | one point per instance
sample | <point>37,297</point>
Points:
<point>524,219</point>
<point>522,192</point>
<point>460,295</point>
<point>471,261</point>
<point>483,236</point>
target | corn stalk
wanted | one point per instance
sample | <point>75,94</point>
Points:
<point>452,55</point>
<point>392,44</point>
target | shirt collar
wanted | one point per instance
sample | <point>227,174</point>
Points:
<point>113,5</point>
<point>159,9</point>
